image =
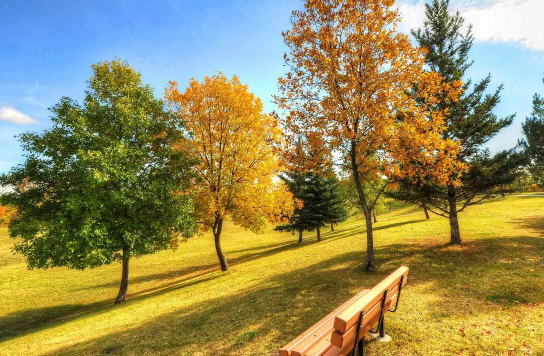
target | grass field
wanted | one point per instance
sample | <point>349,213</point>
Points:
<point>484,298</point>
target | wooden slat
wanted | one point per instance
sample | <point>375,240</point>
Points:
<point>322,335</point>
<point>317,330</point>
<point>341,351</point>
<point>370,319</point>
<point>318,349</point>
<point>350,315</point>
<point>372,315</point>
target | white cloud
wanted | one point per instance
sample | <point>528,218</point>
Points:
<point>505,21</point>
<point>10,114</point>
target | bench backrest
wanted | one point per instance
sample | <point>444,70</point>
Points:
<point>346,322</point>
<point>319,331</point>
<point>335,334</point>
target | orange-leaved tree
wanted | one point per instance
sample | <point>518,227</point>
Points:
<point>6,213</point>
<point>350,92</point>
<point>236,145</point>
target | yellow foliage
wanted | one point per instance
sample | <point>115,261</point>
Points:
<point>6,214</point>
<point>236,144</point>
<point>350,90</point>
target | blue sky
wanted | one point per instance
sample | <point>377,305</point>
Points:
<point>46,49</point>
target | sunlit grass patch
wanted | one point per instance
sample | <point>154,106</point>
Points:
<point>485,297</point>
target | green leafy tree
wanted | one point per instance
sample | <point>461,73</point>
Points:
<point>533,128</point>
<point>470,121</point>
<point>103,184</point>
<point>375,188</point>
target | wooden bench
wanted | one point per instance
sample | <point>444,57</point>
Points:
<point>344,329</point>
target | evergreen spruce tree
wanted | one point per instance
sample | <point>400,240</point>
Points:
<point>470,120</point>
<point>296,181</point>
<point>337,210</point>
<point>316,202</point>
<point>533,128</point>
<point>321,200</point>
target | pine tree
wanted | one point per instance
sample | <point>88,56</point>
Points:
<point>321,199</point>
<point>316,199</point>
<point>296,181</point>
<point>533,128</point>
<point>337,210</point>
<point>470,120</point>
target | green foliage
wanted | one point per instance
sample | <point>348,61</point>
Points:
<point>471,119</point>
<point>375,190</point>
<point>296,182</point>
<point>533,128</point>
<point>103,179</point>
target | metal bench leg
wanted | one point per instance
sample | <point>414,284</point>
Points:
<point>381,327</point>
<point>380,319</point>
<point>361,347</point>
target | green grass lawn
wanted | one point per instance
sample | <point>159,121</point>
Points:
<point>483,298</point>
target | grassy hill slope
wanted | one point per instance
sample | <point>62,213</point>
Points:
<point>483,298</point>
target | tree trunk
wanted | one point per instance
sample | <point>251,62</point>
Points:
<point>374,215</point>
<point>454,222</point>
<point>426,212</point>
<point>332,226</point>
<point>369,263</point>
<point>217,235</point>
<point>318,233</point>
<point>299,236</point>
<point>122,296</point>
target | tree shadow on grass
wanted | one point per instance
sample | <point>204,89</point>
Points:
<point>534,223</point>
<point>262,247</point>
<point>494,270</point>
<point>283,303</point>
<point>377,227</point>
<point>30,320</point>
<point>184,274</point>
<point>191,272</point>
<point>20,322</point>
<point>361,229</point>
<point>261,319</point>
